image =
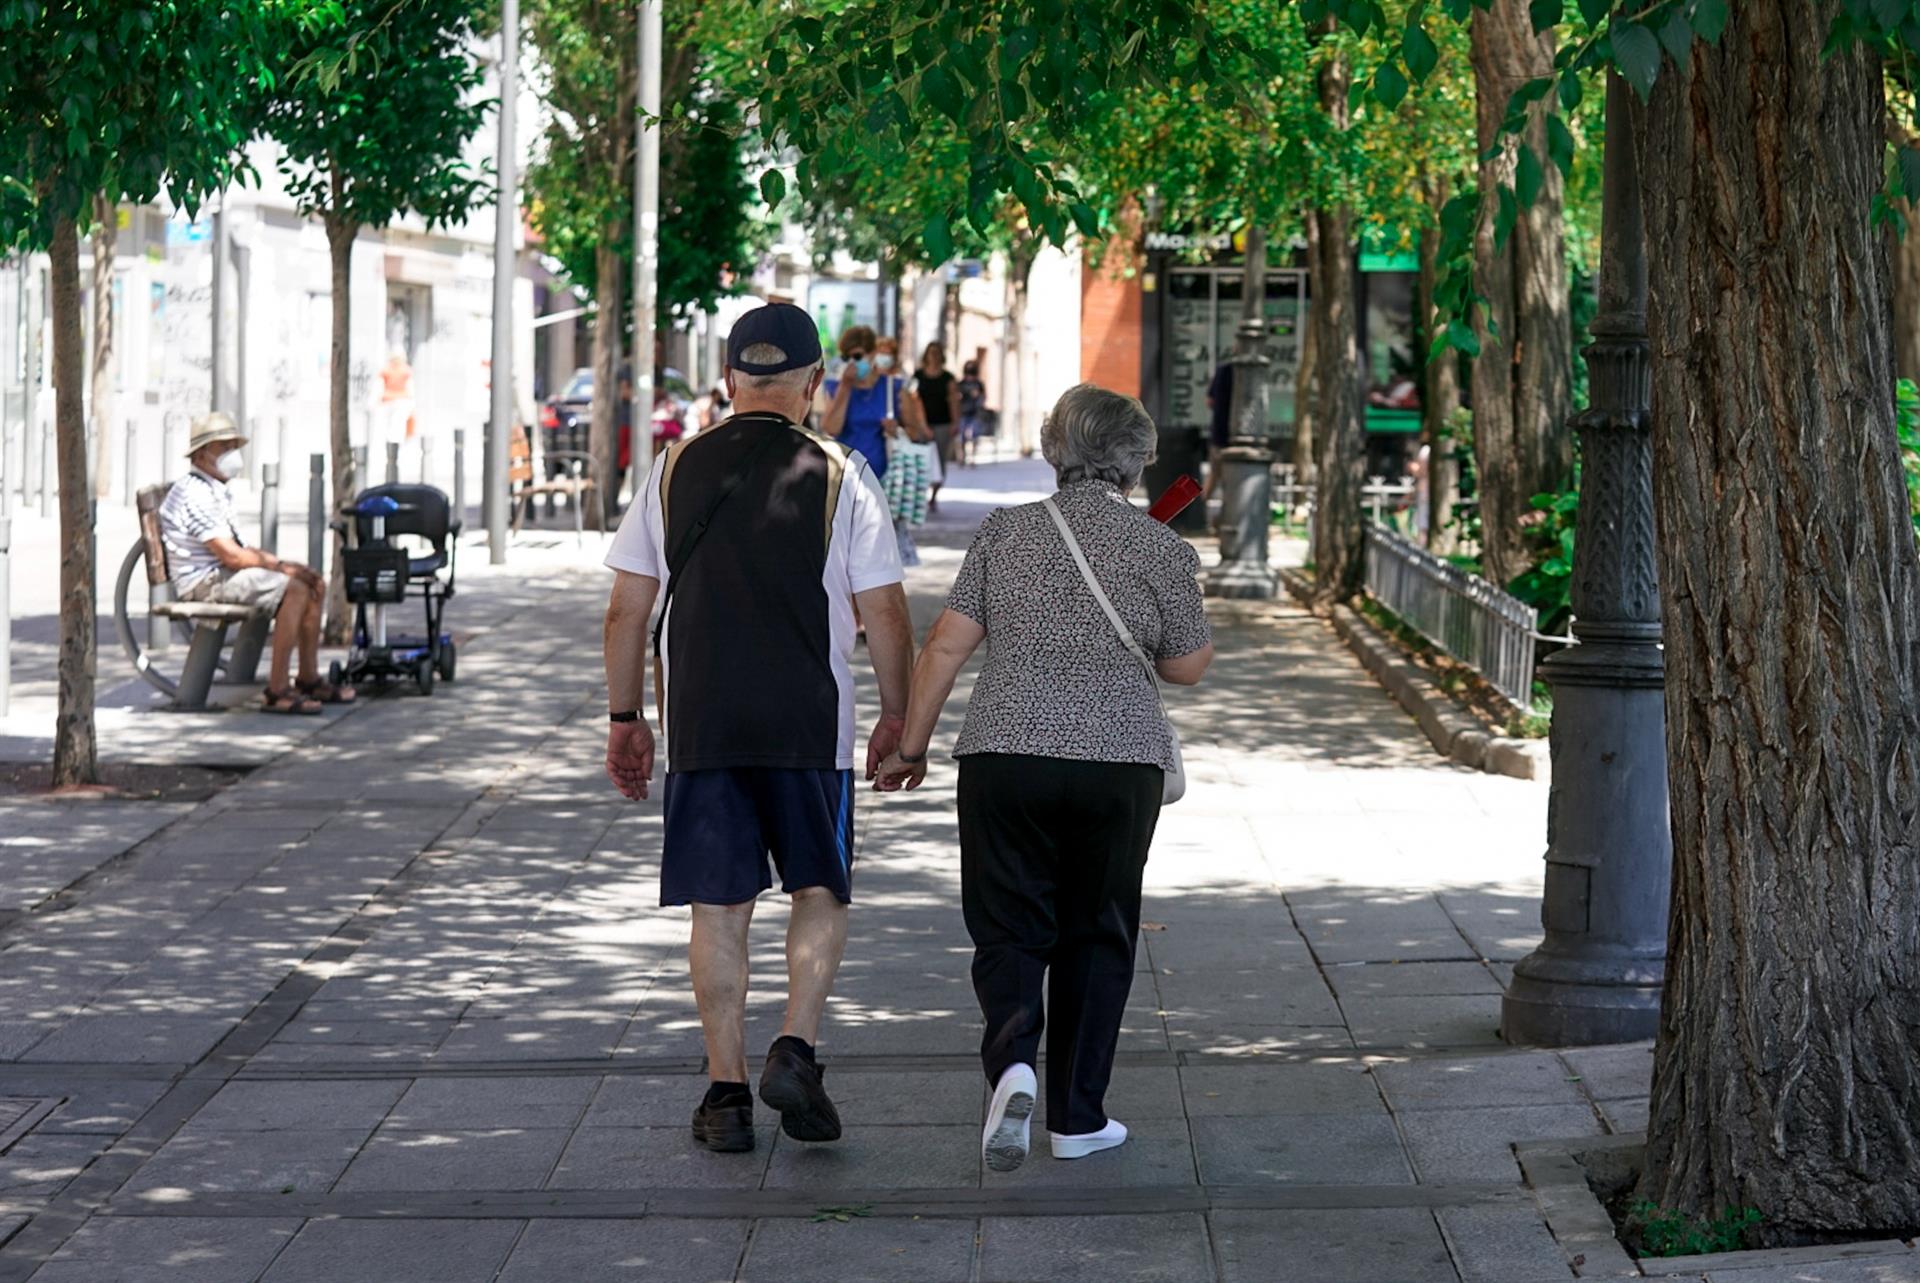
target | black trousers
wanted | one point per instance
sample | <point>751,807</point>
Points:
<point>1051,855</point>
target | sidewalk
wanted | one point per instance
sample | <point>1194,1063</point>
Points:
<point>399,1005</point>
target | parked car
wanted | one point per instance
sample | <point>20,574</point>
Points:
<point>564,419</point>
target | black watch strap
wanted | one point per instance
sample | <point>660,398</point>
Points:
<point>631,715</point>
<point>912,759</point>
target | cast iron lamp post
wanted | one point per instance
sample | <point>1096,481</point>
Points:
<point>1246,464</point>
<point>1597,975</point>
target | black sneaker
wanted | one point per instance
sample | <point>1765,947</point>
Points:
<point>792,1085</point>
<point>724,1122</point>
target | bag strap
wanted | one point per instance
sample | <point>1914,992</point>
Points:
<point>691,539</point>
<point>1099,593</point>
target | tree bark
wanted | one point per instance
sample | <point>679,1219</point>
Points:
<point>106,232</point>
<point>1904,249</point>
<point>1785,1072</point>
<point>1020,268</point>
<point>1305,386</point>
<point>341,233</point>
<point>74,757</point>
<point>1523,378</point>
<point>1440,397</point>
<point>602,439</point>
<point>1338,530</point>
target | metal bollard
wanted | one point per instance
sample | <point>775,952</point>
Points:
<point>460,475</point>
<point>393,463</point>
<point>46,470</point>
<point>426,461</point>
<point>359,475</point>
<point>270,507</point>
<point>317,512</point>
<point>6,615</point>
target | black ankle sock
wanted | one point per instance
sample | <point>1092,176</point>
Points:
<point>798,1044</point>
<point>719,1094</point>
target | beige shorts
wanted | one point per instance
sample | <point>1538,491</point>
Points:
<point>254,586</point>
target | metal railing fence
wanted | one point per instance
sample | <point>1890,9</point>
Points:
<point>1482,626</point>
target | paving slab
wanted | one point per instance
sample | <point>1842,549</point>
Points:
<point>1157,1152</point>
<point>866,1157</point>
<point>1425,1023</point>
<point>1411,979</point>
<point>1095,1249</point>
<point>1889,1269</point>
<point>1246,1090</point>
<point>656,1249</point>
<point>655,1157</point>
<point>132,1039</point>
<point>1370,1245</point>
<point>860,1250</point>
<point>536,1101</point>
<point>1474,1082</point>
<point>281,1106</point>
<point>1502,1244</point>
<point>266,1162</point>
<point>419,1251</point>
<point>1308,1149</point>
<point>169,1249</point>
<point>398,1158</point>
<point>1612,1073</point>
<point>1477,1144</point>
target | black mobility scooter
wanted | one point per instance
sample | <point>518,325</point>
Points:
<point>383,571</point>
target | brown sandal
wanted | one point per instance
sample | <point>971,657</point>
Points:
<point>289,703</point>
<point>327,692</point>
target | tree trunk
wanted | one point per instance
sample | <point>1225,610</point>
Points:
<point>106,232</point>
<point>1020,264</point>
<point>340,237</point>
<point>1904,248</point>
<point>74,759</point>
<point>1440,397</point>
<point>1304,386</point>
<point>1523,378</point>
<point>1785,1072</point>
<point>1339,541</point>
<point>602,439</point>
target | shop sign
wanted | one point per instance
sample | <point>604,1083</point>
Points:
<point>1184,242</point>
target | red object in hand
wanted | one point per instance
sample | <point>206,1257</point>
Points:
<point>1174,500</point>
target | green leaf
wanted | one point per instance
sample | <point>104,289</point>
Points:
<point>1418,49</point>
<point>1595,11</point>
<point>1459,10</point>
<point>773,187</point>
<point>777,63</point>
<point>1908,160</point>
<point>1888,13</point>
<point>943,90</point>
<point>1312,13</point>
<point>1636,51</point>
<point>1505,217</point>
<point>1389,86</point>
<point>937,238</point>
<point>1560,145</point>
<point>1570,91</point>
<point>1545,13</point>
<point>1085,219</point>
<point>1461,338</point>
<point>1677,36</point>
<point>1708,18</point>
<point>810,30</point>
<point>1527,177</point>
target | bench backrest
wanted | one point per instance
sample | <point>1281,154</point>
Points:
<point>148,502</point>
<point>519,457</point>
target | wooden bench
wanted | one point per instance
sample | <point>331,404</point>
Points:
<point>577,479</point>
<point>206,621</point>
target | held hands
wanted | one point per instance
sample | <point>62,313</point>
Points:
<point>894,775</point>
<point>884,742</point>
<point>630,757</point>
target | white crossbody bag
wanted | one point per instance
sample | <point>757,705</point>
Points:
<point>1175,786</point>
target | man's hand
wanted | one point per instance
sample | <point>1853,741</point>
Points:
<point>305,574</point>
<point>895,774</point>
<point>630,757</point>
<point>884,742</point>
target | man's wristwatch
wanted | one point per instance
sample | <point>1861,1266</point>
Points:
<point>631,715</point>
<point>912,759</point>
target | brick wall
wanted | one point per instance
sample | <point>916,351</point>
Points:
<point>1110,305</point>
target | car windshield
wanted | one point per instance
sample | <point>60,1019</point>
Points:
<point>579,387</point>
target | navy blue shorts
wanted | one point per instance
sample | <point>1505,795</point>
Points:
<point>722,825</point>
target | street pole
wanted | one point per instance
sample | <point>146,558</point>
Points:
<point>217,392</point>
<point>1246,465</point>
<point>505,211</point>
<point>1596,977</point>
<point>646,223</point>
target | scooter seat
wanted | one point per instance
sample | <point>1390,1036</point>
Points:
<point>420,566</point>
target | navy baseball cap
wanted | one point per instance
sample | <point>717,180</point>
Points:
<point>780,324</point>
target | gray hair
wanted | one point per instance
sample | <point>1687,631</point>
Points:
<point>1096,435</point>
<point>770,354</point>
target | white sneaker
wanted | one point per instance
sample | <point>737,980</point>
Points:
<point>1108,1137</point>
<point>1003,1144</point>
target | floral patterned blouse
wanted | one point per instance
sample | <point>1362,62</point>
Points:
<point>1058,681</point>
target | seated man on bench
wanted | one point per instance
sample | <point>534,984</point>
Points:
<point>207,562</point>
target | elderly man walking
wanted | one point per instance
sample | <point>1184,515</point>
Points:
<point>757,538</point>
<point>207,562</point>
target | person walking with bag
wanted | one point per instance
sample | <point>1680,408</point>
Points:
<point>1066,757</point>
<point>758,537</point>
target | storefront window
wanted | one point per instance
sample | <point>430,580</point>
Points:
<point>1203,309</point>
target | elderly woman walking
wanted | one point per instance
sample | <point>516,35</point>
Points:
<point>1065,756</point>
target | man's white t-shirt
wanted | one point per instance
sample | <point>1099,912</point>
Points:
<point>759,634</point>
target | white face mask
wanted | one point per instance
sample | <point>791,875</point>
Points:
<point>230,464</point>
<point>884,361</point>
